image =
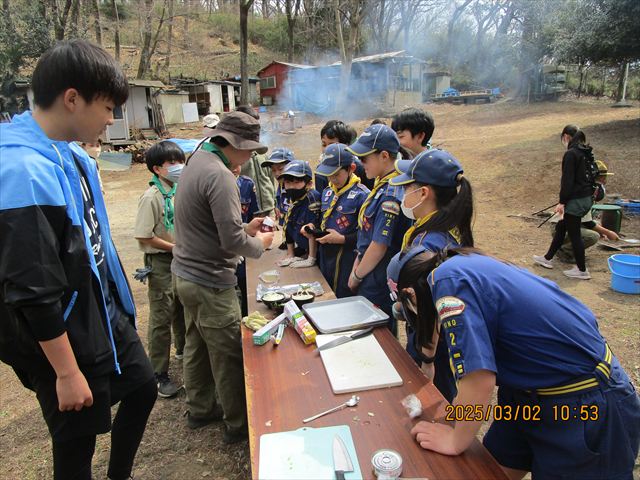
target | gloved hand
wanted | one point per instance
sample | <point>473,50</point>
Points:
<point>142,274</point>
<point>309,262</point>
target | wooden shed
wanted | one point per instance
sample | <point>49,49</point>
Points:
<point>273,79</point>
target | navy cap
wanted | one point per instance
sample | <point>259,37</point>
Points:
<point>398,262</point>
<point>431,167</point>
<point>280,155</point>
<point>376,138</point>
<point>297,169</point>
<point>335,157</point>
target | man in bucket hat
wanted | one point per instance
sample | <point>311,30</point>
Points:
<point>210,238</point>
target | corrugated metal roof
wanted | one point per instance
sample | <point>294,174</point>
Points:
<point>288,64</point>
<point>378,57</point>
<point>139,82</point>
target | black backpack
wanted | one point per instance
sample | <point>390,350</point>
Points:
<point>591,170</point>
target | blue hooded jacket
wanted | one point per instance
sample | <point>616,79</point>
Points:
<point>49,281</point>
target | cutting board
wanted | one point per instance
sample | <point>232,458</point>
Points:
<point>306,453</point>
<point>357,365</point>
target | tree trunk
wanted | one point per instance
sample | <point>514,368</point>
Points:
<point>186,22</point>
<point>75,14</point>
<point>167,63</point>
<point>146,38</point>
<point>60,19</point>
<point>290,25</point>
<point>265,8</point>
<point>97,21</point>
<point>336,7</point>
<point>581,72</point>
<point>245,6</point>
<point>116,30</point>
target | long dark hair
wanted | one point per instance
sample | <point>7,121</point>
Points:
<point>455,210</point>
<point>577,136</point>
<point>415,274</point>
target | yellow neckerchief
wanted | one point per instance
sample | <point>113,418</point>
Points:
<point>288,214</point>
<point>379,183</point>
<point>354,180</point>
<point>454,232</point>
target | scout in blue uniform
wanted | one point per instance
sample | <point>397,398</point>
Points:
<point>341,202</point>
<point>249,207</point>
<point>442,215</point>
<point>381,224</point>
<point>566,408</point>
<point>304,209</point>
<point>277,161</point>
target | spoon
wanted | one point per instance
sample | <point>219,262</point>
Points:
<point>352,402</point>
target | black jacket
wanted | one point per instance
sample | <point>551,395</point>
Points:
<point>575,182</point>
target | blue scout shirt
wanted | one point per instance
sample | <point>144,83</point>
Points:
<point>384,223</point>
<point>336,261</point>
<point>305,210</point>
<point>248,200</point>
<point>504,319</point>
<point>282,203</point>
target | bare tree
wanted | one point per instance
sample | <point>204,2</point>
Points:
<point>245,6</point>
<point>97,21</point>
<point>116,30</point>
<point>353,12</point>
<point>149,40</point>
<point>167,62</point>
<point>458,10</point>
<point>292,8</point>
<point>60,16</point>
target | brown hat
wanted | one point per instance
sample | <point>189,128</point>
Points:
<point>241,130</point>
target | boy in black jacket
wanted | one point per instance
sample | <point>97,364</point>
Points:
<point>67,323</point>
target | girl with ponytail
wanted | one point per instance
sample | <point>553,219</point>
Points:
<point>439,198</point>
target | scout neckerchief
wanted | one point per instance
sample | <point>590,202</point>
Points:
<point>336,194</point>
<point>379,183</point>
<point>454,232</point>
<point>168,201</point>
<point>291,207</point>
<point>213,148</point>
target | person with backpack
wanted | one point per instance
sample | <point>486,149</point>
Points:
<point>577,186</point>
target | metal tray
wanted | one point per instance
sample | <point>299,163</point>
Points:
<point>343,314</point>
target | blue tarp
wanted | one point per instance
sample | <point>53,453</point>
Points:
<point>187,145</point>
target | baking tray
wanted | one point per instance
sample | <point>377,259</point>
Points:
<point>350,313</point>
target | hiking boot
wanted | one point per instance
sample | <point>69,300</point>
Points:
<point>543,262</point>
<point>166,388</point>
<point>234,436</point>
<point>198,422</point>
<point>179,355</point>
<point>576,273</point>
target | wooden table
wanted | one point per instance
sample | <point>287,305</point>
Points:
<point>287,383</point>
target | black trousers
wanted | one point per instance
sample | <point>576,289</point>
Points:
<point>73,434</point>
<point>569,225</point>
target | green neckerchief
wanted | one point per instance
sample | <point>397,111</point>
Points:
<point>213,148</point>
<point>168,201</point>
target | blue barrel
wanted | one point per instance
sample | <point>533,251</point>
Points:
<point>625,273</point>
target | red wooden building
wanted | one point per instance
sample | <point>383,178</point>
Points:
<point>273,80</point>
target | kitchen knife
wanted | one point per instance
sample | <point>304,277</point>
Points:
<point>341,460</point>
<point>346,338</point>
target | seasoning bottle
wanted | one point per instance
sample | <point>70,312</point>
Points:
<point>268,225</point>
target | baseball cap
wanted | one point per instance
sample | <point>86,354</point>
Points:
<point>398,262</point>
<point>376,138</point>
<point>297,169</point>
<point>335,157</point>
<point>241,130</point>
<point>279,155</point>
<point>602,168</point>
<point>431,167</point>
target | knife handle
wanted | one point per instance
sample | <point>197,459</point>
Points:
<point>362,333</point>
<point>339,475</point>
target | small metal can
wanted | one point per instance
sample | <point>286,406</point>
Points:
<point>387,464</point>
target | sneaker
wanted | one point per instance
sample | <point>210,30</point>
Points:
<point>234,436</point>
<point>179,355</point>
<point>166,388</point>
<point>543,262</point>
<point>309,262</point>
<point>286,261</point>
<point>198,422</point>
<point>579,274</point>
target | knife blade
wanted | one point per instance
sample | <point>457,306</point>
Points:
<point>341,459</point>
<point>346,338</point>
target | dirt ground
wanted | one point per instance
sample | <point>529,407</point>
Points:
<point>510,152</point>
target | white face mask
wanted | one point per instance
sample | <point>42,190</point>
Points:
<point>173,172</point>
<point>408,212</point>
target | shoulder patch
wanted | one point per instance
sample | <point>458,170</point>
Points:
<point>449,307</point>
<point>352,194</point>
<point>314,206</point>
<point>391,207</point>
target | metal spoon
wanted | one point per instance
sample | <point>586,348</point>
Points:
<point>352,402</point>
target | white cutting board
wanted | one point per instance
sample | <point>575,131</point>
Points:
<point>306,453</point>
<point>357,365</point>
